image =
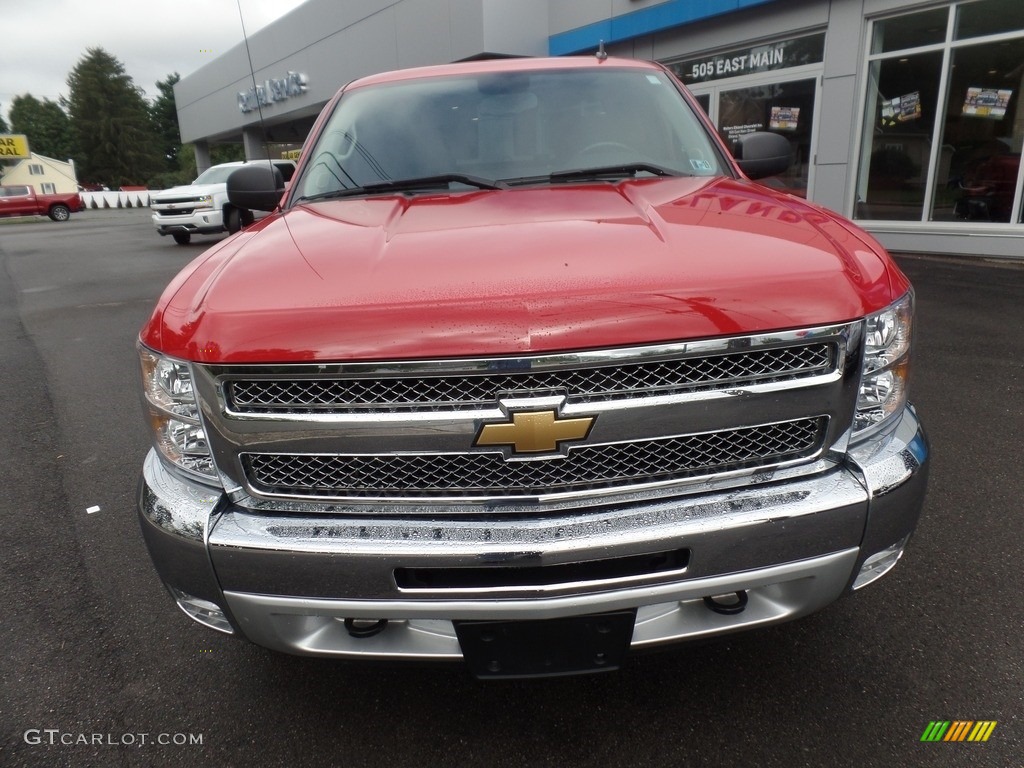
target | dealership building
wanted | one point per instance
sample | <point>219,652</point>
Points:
<point>903,115</point>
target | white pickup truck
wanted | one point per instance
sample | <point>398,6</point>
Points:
<point>202,207</point>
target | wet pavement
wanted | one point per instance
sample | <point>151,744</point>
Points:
<point>94,650</point>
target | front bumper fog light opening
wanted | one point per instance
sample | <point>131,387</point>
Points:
<point>729,604</point>
<point>205,612</point>
<point>363,628</point>
<point>880,563</point>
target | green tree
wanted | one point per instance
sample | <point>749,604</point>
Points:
<point>111,128</point>
<point>164,113</point>
<point>44,123</point>
<point>4,129</point>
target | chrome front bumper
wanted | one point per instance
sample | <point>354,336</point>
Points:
<point>289,581</point>
<point>207,222</point>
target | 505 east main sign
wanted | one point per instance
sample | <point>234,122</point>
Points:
<point>784,54</point>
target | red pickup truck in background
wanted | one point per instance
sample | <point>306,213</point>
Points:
<point>22,200</point>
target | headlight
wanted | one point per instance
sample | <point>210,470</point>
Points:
<point>886,368</point>
<point>204,201</point>
<point>174,414</point>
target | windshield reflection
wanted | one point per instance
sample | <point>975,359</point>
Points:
<point>503,127</point>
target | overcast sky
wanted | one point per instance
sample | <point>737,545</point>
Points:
<point>43,40</point>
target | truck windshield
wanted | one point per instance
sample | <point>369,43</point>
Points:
<point>503,129</point>
<point>218,174</point>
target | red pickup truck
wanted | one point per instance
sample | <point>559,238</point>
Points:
<point>22,200</point>
<point>524,370</point>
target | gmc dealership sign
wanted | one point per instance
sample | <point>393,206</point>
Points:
<point>292,84</point>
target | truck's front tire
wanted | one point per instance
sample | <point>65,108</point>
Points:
<point>181,238</point>
<point>232,220</point>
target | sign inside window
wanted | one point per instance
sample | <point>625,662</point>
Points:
<point>902,109</point>
<point>732,133</point>
<point>987,102</point>
<point>784,118</point>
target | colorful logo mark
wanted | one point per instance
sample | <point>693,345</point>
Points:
<point>958,730</point>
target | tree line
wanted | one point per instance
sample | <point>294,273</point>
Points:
<point>105,124</point>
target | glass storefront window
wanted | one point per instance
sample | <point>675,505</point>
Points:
<point>902,99</point>
<point>911,31</point>
<point>765,87</point>
<point>988,17</point>
<point>982,134</point>
<point>786,108</point>
<point>961,148</point>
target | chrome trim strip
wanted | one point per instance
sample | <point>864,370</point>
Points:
<point>267,420</point>
<point>546,589</point>
<point>547,362</point>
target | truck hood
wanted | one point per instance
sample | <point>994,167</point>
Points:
<point>526,270</point>
<point>188,190</point>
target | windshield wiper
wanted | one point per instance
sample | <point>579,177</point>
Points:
<point>420,184</point>
<point>610,172</point>
<point>619,169</point>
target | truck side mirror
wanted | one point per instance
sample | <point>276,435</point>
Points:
<point>256,187</point>
<point>762,154</point>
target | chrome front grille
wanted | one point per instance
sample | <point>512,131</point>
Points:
<point>669,417</point>
<point>175,200</point>
<point>584,468</point>
<point>431,393</point>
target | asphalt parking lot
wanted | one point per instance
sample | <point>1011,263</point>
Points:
<point>99,668</point>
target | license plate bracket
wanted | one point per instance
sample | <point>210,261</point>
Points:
<point>546,647</point>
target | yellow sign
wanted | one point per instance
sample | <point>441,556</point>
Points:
<point>291,154</point>
<point>14,146</point>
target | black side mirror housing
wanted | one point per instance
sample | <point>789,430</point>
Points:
<point>762,154</point>
<point>257,187</point>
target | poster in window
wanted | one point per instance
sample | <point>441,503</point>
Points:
<point>784,118</point>
<point>989,103</point>
<point>902,109</point>
<point>732,133</point>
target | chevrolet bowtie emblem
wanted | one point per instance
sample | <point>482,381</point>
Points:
<point>534,432</point>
